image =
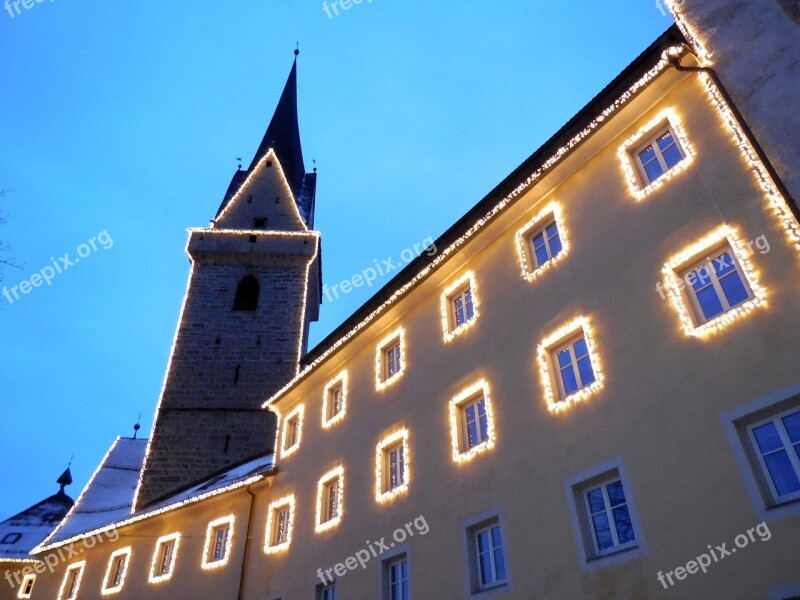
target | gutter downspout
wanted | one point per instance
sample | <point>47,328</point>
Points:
<point>247,542</point>
<point>762,156</point>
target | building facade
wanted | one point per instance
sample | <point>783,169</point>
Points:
<point>586,388</point>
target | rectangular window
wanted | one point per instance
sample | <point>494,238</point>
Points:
<point>292,431</point>
<point>334,400</point>
<point>459,305</point>
<point>471,422</point>
<point>712,282</point>
<point>570,368</point>
<point>609,518</point>
<point>604,516</point>
<point>396,579</point>
<point>115,572</point>
<point>574,363</point>
<point>776,444</point>
<point>717,285</point>
<point>655,153</point>
<point>330,505</point>
<point>391,466</point>
<point>390,361</point>
<point>326,592</point>
<point>541,242</point>
<point>72,581</point>
<point>545,244</point>
<point>218,538</point>
<point>164,558</point>
<point>26,589</point>
<point>489,563</point>
<point>279,524</point>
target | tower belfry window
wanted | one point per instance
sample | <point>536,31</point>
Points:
<point>247,294</point>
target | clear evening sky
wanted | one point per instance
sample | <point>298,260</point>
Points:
<point>127,118</point>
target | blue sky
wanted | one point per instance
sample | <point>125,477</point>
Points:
<point>127,118</point>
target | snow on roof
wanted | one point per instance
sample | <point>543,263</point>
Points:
<point>107,499</point>
<point>20,533</point>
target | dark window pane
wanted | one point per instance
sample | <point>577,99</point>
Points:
<point>709,302</point>
<point>541,256</point>
<point>700,278</point>
<point>552,231</point>
<point>782,473</point>
<point>586,370</point>
<point>616,494</point>
<point>622,522</point>
<point>581,349</point>
<point>596,501</point>
<point>472,434</point>
<point>647,155</point>
<point>653,170</point>
<point>723,264</point>
<point>602,532</point>
<point>734,289</point>
<point>792,424</point>
<point>672,156</point>
<point>768,438</point>
<point>500,564</point>
<point>665,140</point>
<point>564,358</point>
<point>569,380</point>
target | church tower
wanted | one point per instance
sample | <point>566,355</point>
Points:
<point>253,289</point>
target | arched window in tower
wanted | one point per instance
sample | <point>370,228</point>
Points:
<point>247,294</point>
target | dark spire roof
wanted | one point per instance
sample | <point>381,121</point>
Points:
<point>65,479</point>
<point>283,135</point>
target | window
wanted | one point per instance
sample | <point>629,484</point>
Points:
<point>391,466</point>
<point>326,592</point>
<point>711,283</point>
<point>279,525</point>
<point>717,285</point>
<point>330,506</point>
<point>26,589</point>
<point>471,422</point>
<point>216,553</point>
<point>72,581</point>
<point>487,560</point>
<point>544,244</point>
<point>11,538</point>
<point>395,572</point>
<point>541,242</point>
<point>115,572</point>
<point>292,431</point>
<point>776,444</point>
<point>390,359</point>
<point>569,366</point>
<point>334,401</point>
<point>459,306</point>
<point>164,558</point>
<point>655,153</point>
<point>606,523</point>
<point>247,294</point>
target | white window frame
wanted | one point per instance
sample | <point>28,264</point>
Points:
<point>396,339</point>
<point>550,214</point>
<point>390,562</point>
<point>273,543</point>
<point>157,571</point>
<point>331,416</point>
<point>788,446</point>
<point>708,264</point>
<point>292,431</point>
<point>607,509</point>
<point>75,571</point>
<point>488,527</point>
<point>652,141</point>
<point>463,287</point>
<point>473,401</point>
<point>392,360</point>
<point>459,434</point>
<point>468,299</point>
<point>569,344</point>
<point>329,517</point>
<point>210,560</point>
<point>541,229</point>
<point>24,591</point>
<point>110,585</point>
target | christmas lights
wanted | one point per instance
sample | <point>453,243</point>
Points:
<point>382,494</point>
<point>80,567</point>
<point>547,367</point>
<point>269,156</point>
<point>663,64</point>
<point>450,328</point>
<point>688,31</point>
<point>336,474</point>
<point>339,380</point>
<point>26,588</point>
<point>270,545</point>
<point>685,258</point>
<point>461,453</point>
<point>208,562</point>
<point>627,156</point>
<point>762,177</point>
<point>155,575</point>
<point>297,414</point>
<point>109,585</point>
<point>382,379</point>
<point>529,270</point>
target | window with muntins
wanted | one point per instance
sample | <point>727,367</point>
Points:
<point>609,518</point>
<point>776,443</point>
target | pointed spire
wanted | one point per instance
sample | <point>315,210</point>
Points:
<point>283,134</point>
<point>64,480</point>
